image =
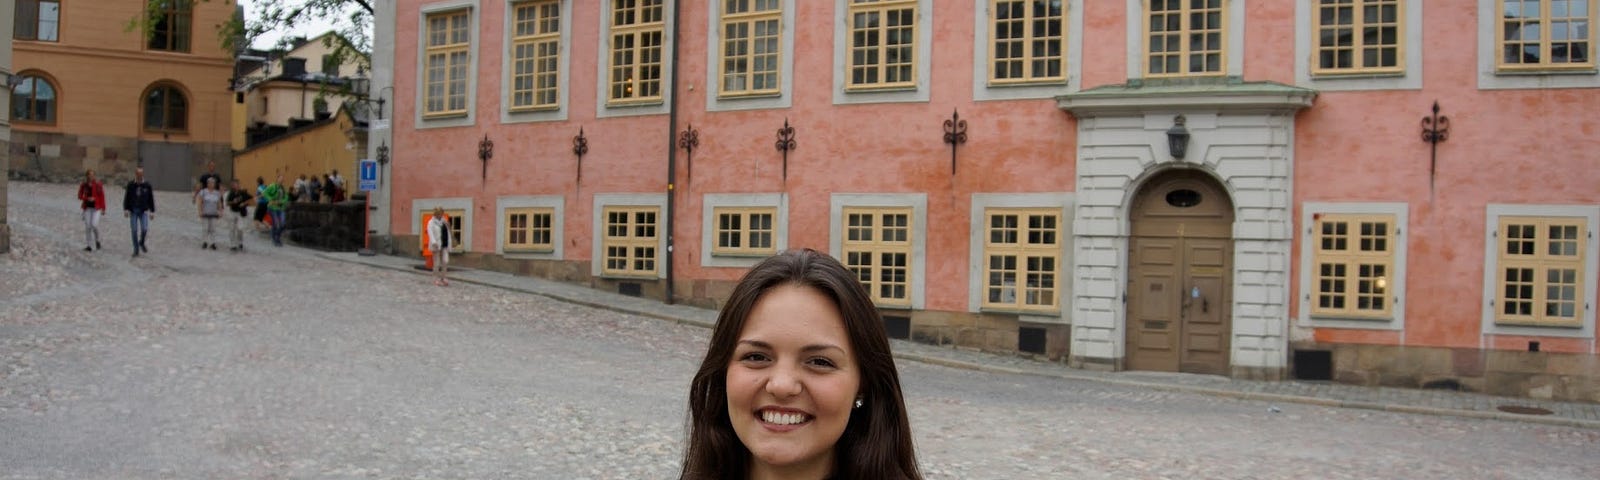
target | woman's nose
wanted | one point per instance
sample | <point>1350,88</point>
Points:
<point>785,382</point>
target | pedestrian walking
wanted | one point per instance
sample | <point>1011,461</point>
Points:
<point>799,373</point>
<point>299,194</point>
<point>92,198</point>
<point>210,175</point>
<point>238,201</point>
<point>277,204</point>
<point>139,205</point>
<point>314,189</point>
<point>338,186</point>
<point>330,190</point>
<point>209,206</point>
<point>261,203</point>
<point>439,245</point>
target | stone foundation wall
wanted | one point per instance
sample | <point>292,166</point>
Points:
<point>62,157</point>
<point>1542,375</point>
<point>988,332</point>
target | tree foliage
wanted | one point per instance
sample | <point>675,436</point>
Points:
<point>352,19</point>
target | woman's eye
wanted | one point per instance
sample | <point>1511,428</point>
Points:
<point>821,362</point>
<point>753,357</point>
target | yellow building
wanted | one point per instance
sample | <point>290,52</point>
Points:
<point>325,145</point>
<point>95,94</point>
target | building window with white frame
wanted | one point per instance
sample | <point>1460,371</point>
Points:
<point>630,241</point>
<point>1547,34</point>
<point>1022,259</point>
<point>637,28</point>
<point>751,52</point>
<point>529,229</point>
<point>1359,36</point>
<point>877,248</point>
<point>1027,41</point>
<point>1539,271</point>
<point>883,44</point>
<point>535,55</point>
<point>744,231</point>
<point>456,218</point>
<point>447,57</point>
<point>1353,263</point>
<point>1185,38</point>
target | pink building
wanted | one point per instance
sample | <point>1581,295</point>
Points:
<point>1214,186</point>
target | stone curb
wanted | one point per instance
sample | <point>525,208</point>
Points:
<point>945,362</point>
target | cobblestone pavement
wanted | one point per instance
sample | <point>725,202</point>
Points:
<point>284,363</point>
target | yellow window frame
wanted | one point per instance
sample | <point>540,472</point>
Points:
<point>748,15</point>
<point>877,248</point>
<point>1013,233</point>
<point>739,226</point>
<point>529,229</point>
<point>629,243</point>
<point>1545,44</point>
<point>1353,261</point>
<point>634,25</point>
<point>1358,47</point>
<point>457,218</point>
<point>535,55</point>
<point>448,39</point>
<point>883,9</point>
<point>1184,29</point>
<point>1538,248</point>
<point>1027,40</point>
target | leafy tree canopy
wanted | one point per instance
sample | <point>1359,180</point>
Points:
<point>351,17</point>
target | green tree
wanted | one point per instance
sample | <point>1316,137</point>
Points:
<point>278,16</point>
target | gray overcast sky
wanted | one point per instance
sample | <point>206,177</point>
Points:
<point>310,28</point>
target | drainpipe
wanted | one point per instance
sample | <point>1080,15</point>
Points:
<point>672,141</point>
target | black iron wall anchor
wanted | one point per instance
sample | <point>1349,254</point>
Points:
<point>688,140</point>
<point>580,146</point>
<point>785,144</point>
<point>1435,129</point>
<point>955,134</point>
<point>485,152</point>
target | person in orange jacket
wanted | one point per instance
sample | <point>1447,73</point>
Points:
<point>92,197</point>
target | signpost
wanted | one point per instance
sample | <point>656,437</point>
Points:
<point>367,181</point>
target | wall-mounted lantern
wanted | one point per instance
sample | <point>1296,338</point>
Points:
<point>1178,138</point>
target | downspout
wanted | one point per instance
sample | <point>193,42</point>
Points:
<point>672,141</point>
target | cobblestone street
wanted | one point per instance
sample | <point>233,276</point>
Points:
<point>282,363</point>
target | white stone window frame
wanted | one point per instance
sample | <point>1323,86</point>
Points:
<point>473,18</point>
<point>420,206</point>
<point>1491,78</point>
<point>979,229</point>
<point>603,108</point>
<point>598,229</point>
<point>1232,50</point>
<point>1591,266</point>
<point>708,225</point>
<point>1397,287</point>
<point>841,60</point>
<point>1305,38</point>
<point>917,202</point>
<point>982,90</point>
<point>557,205</point>
<point>563,65</point>
<point>785,96</point>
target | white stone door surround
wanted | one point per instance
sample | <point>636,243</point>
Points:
<point>1242,135</point>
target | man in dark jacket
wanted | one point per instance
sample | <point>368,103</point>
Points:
<point>139,205</point>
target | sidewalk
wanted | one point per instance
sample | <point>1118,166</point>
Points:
<point>1432,402</point>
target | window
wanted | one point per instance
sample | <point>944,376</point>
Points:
<point>166,109</point>
<point>744,231</point>
<point>536,55</point>
<point>630,242</point>
<point>636,51</point>
<point>750,50</point>
<point>877,248</point>
<point>33,100</point>
<point>38,20</point>
<point>1546,34</point>
<point>330,65</point>
<point>1184,38</point>
<point>1354,260</point>
<point>456,217</point>
<point>883,43</point>
<point>170,31</point>
<point>1022,259</point>
<point>529,230</point>
<point>447,60</point>
<point>1027,41</point>
<point>1359,36</point>
<point>1539,271</point>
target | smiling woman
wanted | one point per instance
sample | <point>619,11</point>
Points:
<point>798,381</point>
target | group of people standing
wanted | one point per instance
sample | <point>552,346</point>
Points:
<point>212,204</point>
<point>138,205</point>
<point>329,188</point>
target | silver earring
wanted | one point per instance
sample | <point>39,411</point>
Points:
<point>858,403</point>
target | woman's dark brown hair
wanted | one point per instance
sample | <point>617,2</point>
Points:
<point>875,444</point>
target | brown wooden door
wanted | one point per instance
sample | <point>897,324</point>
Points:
<point>1180,277</point>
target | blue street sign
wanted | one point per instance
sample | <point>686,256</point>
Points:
<point>367,176</point>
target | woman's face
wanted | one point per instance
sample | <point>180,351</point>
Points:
<point>792,380</point>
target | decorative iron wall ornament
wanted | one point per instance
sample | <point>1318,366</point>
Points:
<point>785,144</point>
<point>580,146</point>
<point>688,140</point>
<point>955,134</point>
<point>1435,129</point>
<point>485,152</point>
<point>383,153</point>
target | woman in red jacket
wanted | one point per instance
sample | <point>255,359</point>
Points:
<point>92,196</point>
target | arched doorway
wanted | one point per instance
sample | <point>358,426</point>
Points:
<point>1180,275</point>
